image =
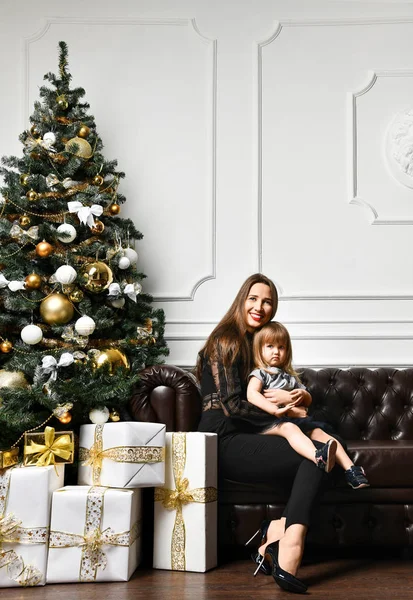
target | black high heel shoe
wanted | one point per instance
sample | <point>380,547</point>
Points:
<point>257,558</point>
<point>285,580</point>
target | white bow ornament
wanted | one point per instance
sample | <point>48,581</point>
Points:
<point>85,213</point>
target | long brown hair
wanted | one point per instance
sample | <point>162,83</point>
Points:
<point>230,335</point>
<point>271,333</point>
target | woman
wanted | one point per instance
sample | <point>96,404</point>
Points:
<point>223,367</point>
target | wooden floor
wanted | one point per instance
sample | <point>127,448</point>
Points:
<point>361,578</point>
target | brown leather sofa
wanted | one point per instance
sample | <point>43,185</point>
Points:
<point>371,409</point>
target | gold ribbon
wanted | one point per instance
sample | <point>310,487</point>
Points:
<point>21,235</point>
<point>11,532</point>
<point>177,498</point>
<point>45,454</point>
<point>93,539</point>
<point>94,456</point>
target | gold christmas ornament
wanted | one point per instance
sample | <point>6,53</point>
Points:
<point>24,178</point>
<point>44,249</point>
<point>114,415</point>
<point>56,309</point>
<point>96,277</point>
<point>98,228</point>
<point>34,131</point>
<point>62,102</point>
<point>33,281</point>
<point>32,195</point>
<point>13,379</point>
<point>24,220</point>
<point>112,357</point>
<point>97,180</point>
<point>65,418</point>
<point>76,296</point>
<point>84,148</point>
<point>83,131</point>
<point>6,347</point>
<point>114,209</point>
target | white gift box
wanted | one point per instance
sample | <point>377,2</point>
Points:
<point>25,500</point>
<point>185,528</point>
<point>95,534</point>
<point>122,455</point>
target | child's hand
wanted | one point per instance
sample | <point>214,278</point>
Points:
<point>279,411</point>
<point>297,411</point>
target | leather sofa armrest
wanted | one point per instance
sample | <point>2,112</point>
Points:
<point>167,394</point>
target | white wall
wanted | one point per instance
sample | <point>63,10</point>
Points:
<point>255,135</point>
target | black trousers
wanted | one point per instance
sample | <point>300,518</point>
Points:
<point>270,460</point>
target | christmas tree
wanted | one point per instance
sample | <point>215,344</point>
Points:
<point>75,324</point>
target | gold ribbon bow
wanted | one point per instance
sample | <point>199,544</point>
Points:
<point>94,456</point>
<point>9,528</point>
<point>20,234</point>
<point>93,540</point>
<point>177,498</point>
<point>45,454</point>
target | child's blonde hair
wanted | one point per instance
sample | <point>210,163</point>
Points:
<point>273,332</point>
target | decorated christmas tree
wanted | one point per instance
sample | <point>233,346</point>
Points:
<point>76,325</point>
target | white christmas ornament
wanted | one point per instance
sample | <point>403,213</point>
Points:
<point>99,416</point>
<point>66,233</point>
<point>65,274</point>
<point>124,262</point>
<point>31,334</point>
<point>85,326</point>
<point>132,255</point>
<point>49,139</point>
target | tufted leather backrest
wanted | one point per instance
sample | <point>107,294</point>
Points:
<point>361,403</point>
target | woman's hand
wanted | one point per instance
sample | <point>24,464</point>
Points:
<point>283,410</point>
<point>278,396</point>
<point>301,397</point>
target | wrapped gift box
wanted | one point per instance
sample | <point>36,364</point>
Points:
<point>48,448</point>
<point>25,499</point>
<point>95,534</point>
<point>122,455</point>
<point>185,528</point>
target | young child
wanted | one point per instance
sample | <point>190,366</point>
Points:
<point>273,361</point>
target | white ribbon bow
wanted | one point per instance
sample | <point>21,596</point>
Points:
<point>50,364</point>
<point>12,285</point>
<point>115,291</point>
<point>85,213</point>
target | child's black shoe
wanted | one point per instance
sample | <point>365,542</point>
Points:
<point>356,477</point>
<point>326,456</point>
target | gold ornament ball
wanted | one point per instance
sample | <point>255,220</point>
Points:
<point>65,418</point>
<point>44,249</point>
<point>112,357</point>
<point>97,180</point>
<point>33,281</point>
<point>56,309</point>
<point>34,131</point>
<point>96,277</point>
<point>114,209</point>
<point>98,228</point>
<point>24,221</point>
<point>76,295</point>
<point>6,347</point>
<point>84,148</point>
<point>32,195</point>
<point>83,131</point>
<point>114,415</point>
<point>24,178</point>
<point>62,102</point>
